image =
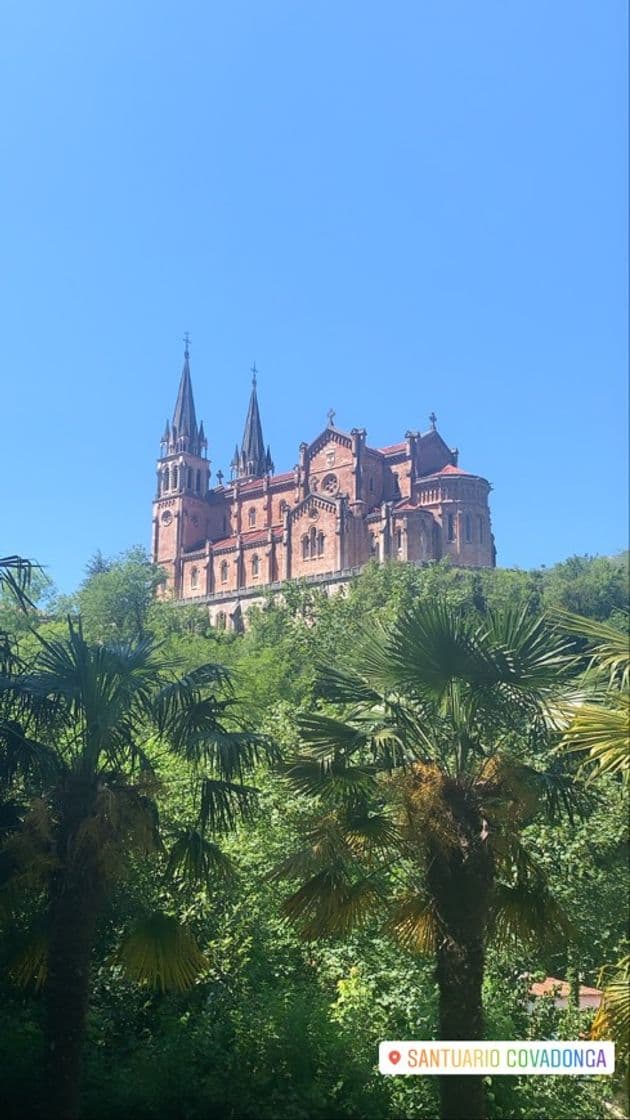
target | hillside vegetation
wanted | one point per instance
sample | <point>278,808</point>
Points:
<point>224,980</point>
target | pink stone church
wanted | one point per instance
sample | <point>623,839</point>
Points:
<point>343,504</point>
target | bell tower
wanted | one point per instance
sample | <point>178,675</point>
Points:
<point>180,508</point>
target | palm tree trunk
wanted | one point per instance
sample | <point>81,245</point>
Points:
<point>74,912</point>
<point>460,882</point>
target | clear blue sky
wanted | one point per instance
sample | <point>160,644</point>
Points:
<point>392,207</point>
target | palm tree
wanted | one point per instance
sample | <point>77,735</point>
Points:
<point>428,762</point>
<point>599,727</point>
<point>81,729</point>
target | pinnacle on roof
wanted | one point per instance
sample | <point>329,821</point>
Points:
<point>253,460</point>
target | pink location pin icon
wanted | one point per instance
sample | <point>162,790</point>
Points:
<point>394,1057</point>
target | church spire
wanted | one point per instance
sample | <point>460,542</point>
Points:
<point>185,435</point>
<point>254,460</point>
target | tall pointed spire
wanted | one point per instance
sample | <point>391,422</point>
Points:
<point>185,435</point>
<point>254,460</point>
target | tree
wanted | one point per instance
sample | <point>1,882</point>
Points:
<point>81,729</point>
<point>600,728</point>
<point>115,598</point>
<point>432,762</point>
<point>97,565</point>
<point>594,586</point>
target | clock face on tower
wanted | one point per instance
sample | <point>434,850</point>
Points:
<point>167,517</point>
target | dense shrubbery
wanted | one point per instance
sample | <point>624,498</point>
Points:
<point>279,1027</point>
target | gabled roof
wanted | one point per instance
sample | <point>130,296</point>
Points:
<point>329,433</point>
<point>311,499</point>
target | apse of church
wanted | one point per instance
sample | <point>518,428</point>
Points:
<point>343,504</point>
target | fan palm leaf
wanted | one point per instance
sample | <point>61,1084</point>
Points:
<point>612,1020</point>
<point>603,732</point>
<point>161,953</point>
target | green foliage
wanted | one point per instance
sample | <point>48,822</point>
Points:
<point>116,596</point>
<point>274,1027</point>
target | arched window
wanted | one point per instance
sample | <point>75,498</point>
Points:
<point>165,479</point>
<point>320,544</point>
<point>255,567</point>
<point>173,478</point>
<point>468,527</point>
<point>194,579</point>
<point>198,481</point>
<point>306,550</point>
<point>251,517</point>
<point>189,483</point>
<point>224,571</point>
<point>313,541</point>
<point>450,522</point>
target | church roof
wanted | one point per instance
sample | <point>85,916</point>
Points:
<point>450,469</point>
<point>393,449</point>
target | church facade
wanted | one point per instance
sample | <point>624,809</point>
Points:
<point>344,503</point>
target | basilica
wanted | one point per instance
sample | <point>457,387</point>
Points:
<point>343,503</point>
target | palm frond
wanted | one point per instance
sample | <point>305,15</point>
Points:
<point>370,834</point>
<point>524,909</point>
<point>196,859</point>
<point>173,704</point>
<point>161,953</point>
<point>528,651</point>
<point>330,904</point>
<point>602,732</point>
<point>344,687</point>
<point>222,804</point>
<point>415,924</point>
<point>332,779</point>
<point>324,735</point>
<point>24,757</point>
<point>609,648</point>
<point>15,576</point>
<point>612,1020</point>
<point>29,966</point>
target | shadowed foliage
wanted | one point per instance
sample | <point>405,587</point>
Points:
<point>82,730</point>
